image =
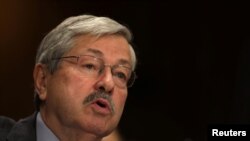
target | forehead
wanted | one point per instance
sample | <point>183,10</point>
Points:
<point>110,47</point>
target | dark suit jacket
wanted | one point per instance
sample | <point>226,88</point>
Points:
<point>23,130</point>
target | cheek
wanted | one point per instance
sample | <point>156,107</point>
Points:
<point>74,82</point>
<point>69,86</point>
<point>120,100</point>
<point>78,88</point>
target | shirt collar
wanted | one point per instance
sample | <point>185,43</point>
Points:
<point>42,131</point>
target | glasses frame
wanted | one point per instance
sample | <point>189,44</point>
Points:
<point>130,81</point>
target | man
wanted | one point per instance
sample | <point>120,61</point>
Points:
<point>83,69</point>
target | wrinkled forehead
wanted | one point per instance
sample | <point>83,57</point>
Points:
<point>109,47</point>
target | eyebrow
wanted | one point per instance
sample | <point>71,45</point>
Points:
<point>95,51</point>
<point>124,62</point>
<point>100,54</point>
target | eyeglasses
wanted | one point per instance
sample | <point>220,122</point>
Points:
<point>93,67</point>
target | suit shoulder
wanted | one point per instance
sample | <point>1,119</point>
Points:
<point>6,124</point>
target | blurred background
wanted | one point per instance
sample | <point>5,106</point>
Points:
<point>193,65</point>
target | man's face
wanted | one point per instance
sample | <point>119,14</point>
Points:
<point>67,88</point>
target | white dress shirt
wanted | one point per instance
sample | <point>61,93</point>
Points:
<point>43,133</point>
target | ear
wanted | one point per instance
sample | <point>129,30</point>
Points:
<point>40,75</point>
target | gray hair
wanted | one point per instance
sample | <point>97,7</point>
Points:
<point>60,40</point>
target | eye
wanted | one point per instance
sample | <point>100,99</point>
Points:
<point>89,66</point>
<point>121,76</point>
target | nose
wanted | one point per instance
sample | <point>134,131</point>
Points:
<point>105,81</point>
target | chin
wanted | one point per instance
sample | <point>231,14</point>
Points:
<point>101,132</point>
<point>99,125</point>
<point>101,129</point>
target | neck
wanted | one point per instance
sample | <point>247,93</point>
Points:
<point>72,136</point>
<point>67,133</point>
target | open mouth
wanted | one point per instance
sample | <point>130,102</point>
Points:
<point>102,106</point>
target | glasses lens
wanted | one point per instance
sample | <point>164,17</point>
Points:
<point>121,75</point>
<point>131,79</point>
<point>89,66</point>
